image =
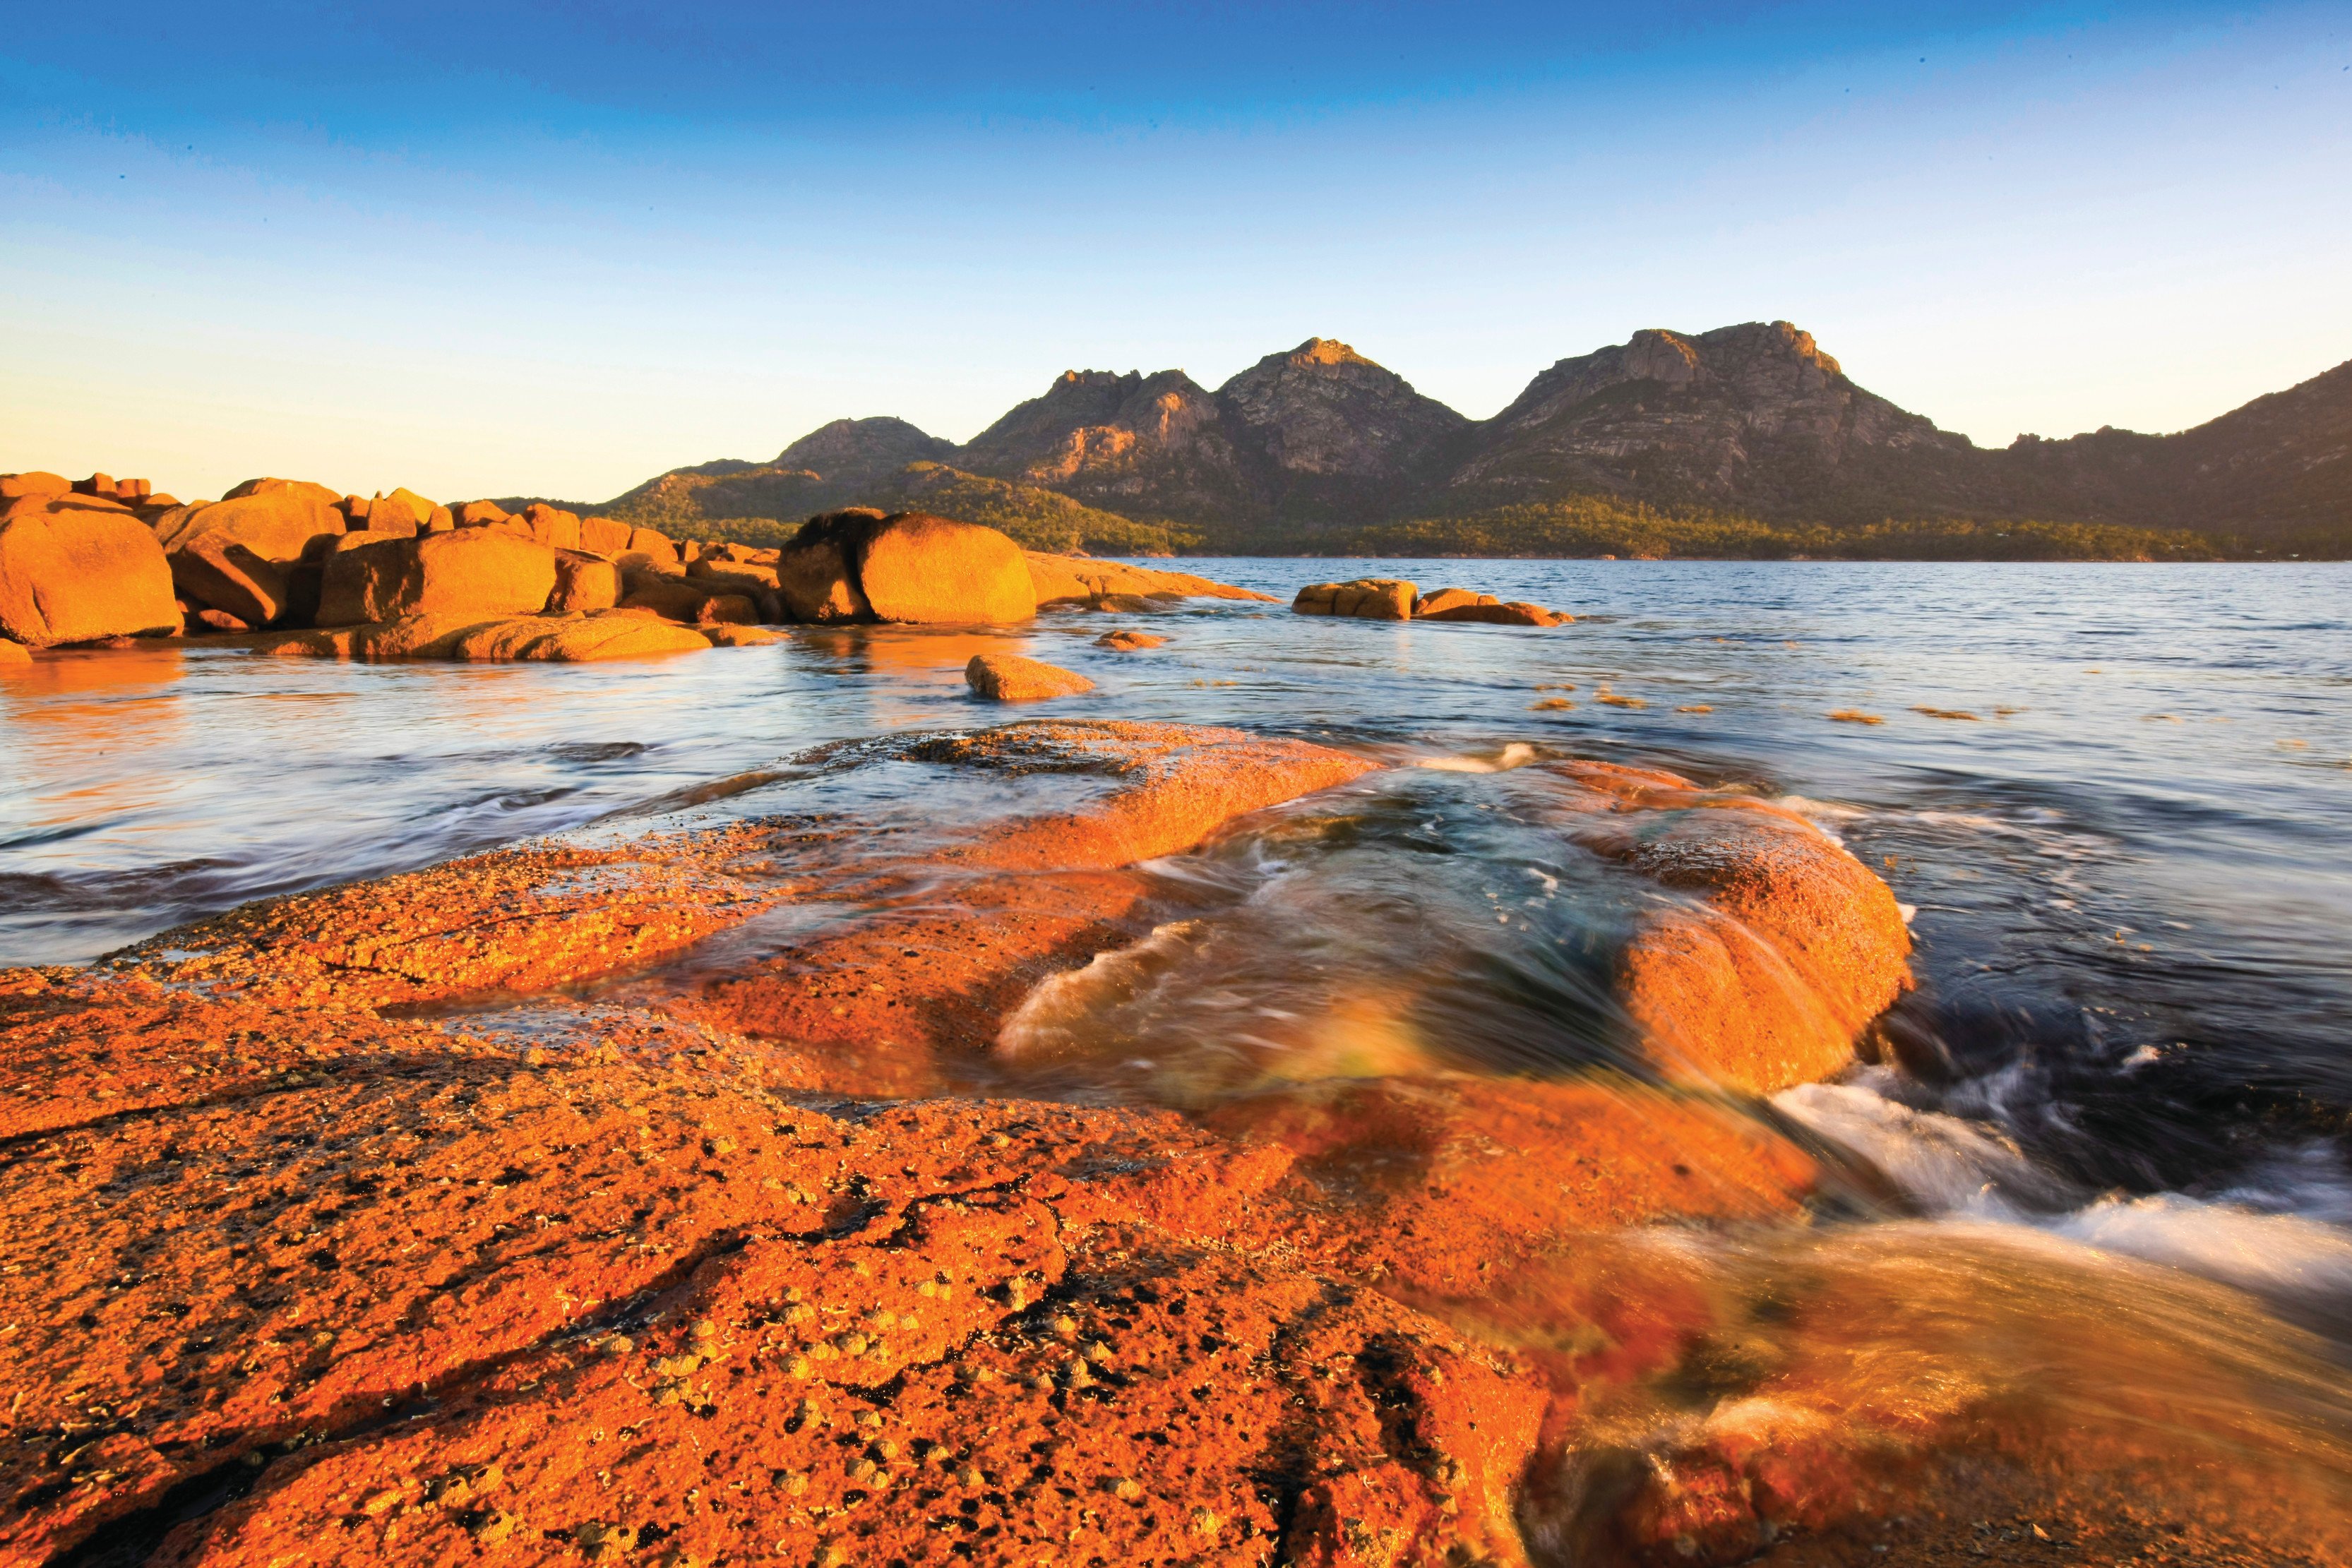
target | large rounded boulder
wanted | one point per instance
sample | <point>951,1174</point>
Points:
<point>909,566</point>
<point>74,569</point>
<point>470,571</point>
<point>276,524</point>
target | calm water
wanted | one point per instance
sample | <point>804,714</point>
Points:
<point>2132,868</point>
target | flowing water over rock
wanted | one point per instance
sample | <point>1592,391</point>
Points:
<point>2084,1209</point>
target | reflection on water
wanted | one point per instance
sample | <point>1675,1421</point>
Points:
<point>2096,1203</point>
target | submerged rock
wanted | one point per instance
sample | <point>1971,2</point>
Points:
<point>1127,642</point>
<point>1008,678</point>
<point>1082,579</point>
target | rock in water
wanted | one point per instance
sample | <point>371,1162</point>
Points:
<point>1365,599</point>
<point>1516,612</point>
<point>909,566</point>
<point>1787,946</point>
<point>1125,642</point>
<point>816,574</point>
<point>13,653</point>
<point>72,571</point>
<point>924,570</point>
<point>474,571</point>
<point>1082,579</point>
<point>1006,678</point>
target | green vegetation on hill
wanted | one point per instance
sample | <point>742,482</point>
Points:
<point>765,504</point>
<point>1603,525</point>
<point>1036,518</point>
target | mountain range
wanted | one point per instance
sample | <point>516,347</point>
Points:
<point>1746,440</point>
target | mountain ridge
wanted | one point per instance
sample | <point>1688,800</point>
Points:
<point>1313,446</point>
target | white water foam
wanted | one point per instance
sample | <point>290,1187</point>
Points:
<point>2284,1232</point>
<point>1052,1018</point>
<point>1942,1162</point>
<point>1517,753</point>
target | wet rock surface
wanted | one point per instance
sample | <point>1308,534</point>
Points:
<point>1008,678</point>
<point>682,1191</point>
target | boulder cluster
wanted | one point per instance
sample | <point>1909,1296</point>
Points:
<point>1394,599</point>
<point>304,571</point>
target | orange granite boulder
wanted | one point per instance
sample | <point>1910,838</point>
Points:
<point>74,569</point>
<point>35,482</point>
<point>276,522</point>
<point>585,582</point>
<point>603,536</point>
<point>907,566</point>
<point>1365,599</point>
<point>550,526</point>
<point>476,571</point>
<point>215,571</point>
<point>1783,948</point>
<point>923,570</point>
<point>816,571</point>
<point>1007,678</point>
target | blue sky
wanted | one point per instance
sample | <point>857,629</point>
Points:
<point>484,248</point>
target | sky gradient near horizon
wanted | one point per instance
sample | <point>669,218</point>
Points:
<point>500,248</point>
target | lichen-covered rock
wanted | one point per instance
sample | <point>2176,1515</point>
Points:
<point>555,638</point>
<point>690,601</point>
<point>1008,678</point>
<point>479,514</point>
<point>73,571</point>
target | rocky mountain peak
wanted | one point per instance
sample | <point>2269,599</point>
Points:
<point>855,449</point>
<point>1326,351</point>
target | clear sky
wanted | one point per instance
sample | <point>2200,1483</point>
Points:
<point>479,247</point>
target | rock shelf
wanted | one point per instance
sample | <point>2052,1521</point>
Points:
<point>723,1260</point>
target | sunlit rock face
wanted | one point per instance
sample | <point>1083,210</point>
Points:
<point>1754,416</point>
<point>1149,1141</point>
